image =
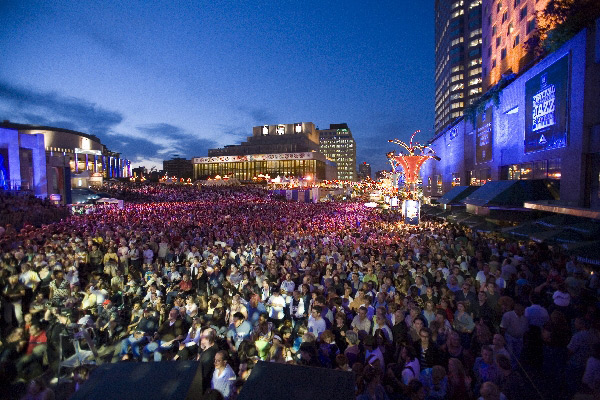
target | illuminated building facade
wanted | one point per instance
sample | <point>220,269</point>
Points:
<point>339,146</point>
<point>285,150</point>
<point>457,58</point>
<point>309,165</point>
<point>70,153</point>
<point>507,25</point>
<point>281,138</point>
<point>545,126</point>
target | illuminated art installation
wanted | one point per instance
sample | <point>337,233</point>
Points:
<point>412,162</point>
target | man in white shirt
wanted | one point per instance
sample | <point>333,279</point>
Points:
<point>316,323</point>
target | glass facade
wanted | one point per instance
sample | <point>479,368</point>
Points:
<point>246,170</point>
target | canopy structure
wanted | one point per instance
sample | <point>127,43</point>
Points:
<point>276,381</point>
<point>510,193</point>
<point>456,194</point>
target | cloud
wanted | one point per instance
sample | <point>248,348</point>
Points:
<point>259,115</point>
<point>143,142</point>
<point>50,108</point>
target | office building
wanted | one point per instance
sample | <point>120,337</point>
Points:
<point>457,58</point>
<point>364,171</point>
<point>507,25</point>
<point>178,167</point>
<point>338,145</point>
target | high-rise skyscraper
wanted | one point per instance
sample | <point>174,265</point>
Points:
<point>507,25</point>
<point>364,170</point>
<point>457,58</point>
<point>338,145</point>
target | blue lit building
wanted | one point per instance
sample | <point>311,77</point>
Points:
<point>544,125</point>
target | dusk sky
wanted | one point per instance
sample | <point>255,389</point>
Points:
<point>155,79</point>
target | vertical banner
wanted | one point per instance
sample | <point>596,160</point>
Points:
<point>411,211</point>
<point>484,128</point>
<point>546,108</point>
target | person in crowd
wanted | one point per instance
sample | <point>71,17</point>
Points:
<point>224,377</point>
<point>352,282</point>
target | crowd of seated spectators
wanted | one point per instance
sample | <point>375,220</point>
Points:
<point>20,209</point>
<point>230,277</point>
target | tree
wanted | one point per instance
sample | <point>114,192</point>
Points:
<point>559,22</point>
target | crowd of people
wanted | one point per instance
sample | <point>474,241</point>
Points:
<point>232,277</point>
<point>23,210</point>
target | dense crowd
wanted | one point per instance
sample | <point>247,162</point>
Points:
<point>19,210</point>
<point>230,277</point>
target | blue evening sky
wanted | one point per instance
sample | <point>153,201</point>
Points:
<point>156,78</point>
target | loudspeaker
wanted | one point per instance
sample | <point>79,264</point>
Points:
<point>275,381</point>
<point>153,380</point>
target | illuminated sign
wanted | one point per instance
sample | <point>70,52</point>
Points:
<point>546,97</point>
<point>280,129</point>
<point>265,130</point>
<point>298,128</point>
<point>453,133</point>
<point>86,144</point>
<point>483,138</point>
<point>411,211</point>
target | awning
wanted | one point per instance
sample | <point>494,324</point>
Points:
<point>589,254</point>
<point>456,194</point>
<point>510,193</point>
<point>486,227</point>
<point>560,220</point>
<point>525,231</point>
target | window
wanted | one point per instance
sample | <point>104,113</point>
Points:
<point>493,63</point>
<point>457,68</point>
<point>457,96</point>
<point>510,29</point>
<point>516,41</point>
<point>523,13</point>
<point>474,91</point>
<point>475,42</point>
<point>429,184</point>
<point>475,81</point>
<point>499,7</point>
<point>516,3</point>
<point>455,78</point>
<point>457,105</point>
<point>494,30</point>
<point>455,179</point>
<point>475,52</point>
<point>530,26</point>
<point>503,53</point>
<point>475,32</point>
<point>498,41</point>
<point>475,71</point>
<point>540,169</point>
<point>526,171</point>
<point>457,13</point>
<point>505,17</point>
<point>458,86</point>
<point>457,41</point>
<point>474,62</point>
<point>439,184</point>
<point>554,168</point>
